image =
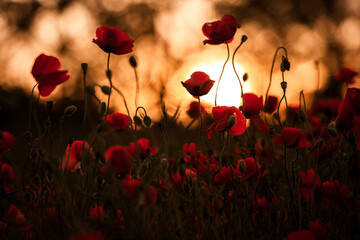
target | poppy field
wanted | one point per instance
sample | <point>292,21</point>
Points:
<point>262,170</point>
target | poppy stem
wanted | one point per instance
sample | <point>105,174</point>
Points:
<point>200,116</point>
<point>137,88</point>
<point>222,71</point>
<point>271,71</point>
<point>126,106</point>
<point>108,74</point>
<point>243,39</point>
<point>30,108</point>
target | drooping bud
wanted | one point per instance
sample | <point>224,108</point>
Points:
<point>283,85</point>
<point>137,120</point>
<point>285,64</point>
<point>70,110</point>
<point>106,90</point>
<point>243,38</point>
<point>132,61</point>
<point>147,121</point>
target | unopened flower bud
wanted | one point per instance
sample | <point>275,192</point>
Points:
<point>102,108</point>
<point>231,122</point>
<point>70,110</point>
<point>283,85</point>
<point>285,64</point>
<point>137,120</point>
<point>84,67</point>
<point>332,130</point>
<point>132,61</point>
<point>244,38</point>
<point>106,90</point>
<point>147,121</point>
<point>245,77</point>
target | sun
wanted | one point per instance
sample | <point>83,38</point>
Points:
<point>229,89</point>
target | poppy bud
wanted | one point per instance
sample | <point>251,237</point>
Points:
<point>147,121</point>
<point>100,128</point>
<point>231,122</point>
<point>132,61</point>
<point>331,129</point>
<point>84,67</point>
<point>243,38</point>
<point>241,166</point>
<point>137,120</point>
<point>108,73</point>
<point>102,108</point>
<point>283,85</point>
<point>245,77</point>
<point>49,106</point>
<point>70,110</point>
<point>106,90</point>
<point>285,64</point>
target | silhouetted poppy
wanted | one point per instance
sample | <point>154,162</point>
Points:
<point>193,110</point>
<point>118,121</point>
<point>221,116</point>
<point>252,104</point>
<point>72,162</point>
<point>291,137</point>
<point>199,84</point>
<point>220,31</point>
<point>7,141</point>
<point>113,40</point>
<point>118,160</point>
<point>46,72</point>
<point>346,75</point>
<point>250,168</point>
<point>271,104</point>
<point>309,182</point>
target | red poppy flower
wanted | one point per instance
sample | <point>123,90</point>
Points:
<point>252,104</point>
<point>221,117</point>
<point>91,235</point>
<point>291,137</point>
<point>196,160</point>
<point>346,75</point>
<point>7,141</point>
<point>46,72</point>
<point>330,189</point>
<point>199,84</point>
<point>220,31</point>
<point>72,162</point>
<point>250,169</point>
<point>6,173</point>
<point>118,160</point>
<point>113,40</point>
<point>193,110</point>
<point>224,176</point>
<point>300,235</point>
<point>271,104</point>
<point>118,121</point>
<point>132,186</point>
<point>309,182</point>
<point>16,218</point>
<point>97,212</point>
<point>349,107</point>
<point>143,148</point>
<point>318,229</point>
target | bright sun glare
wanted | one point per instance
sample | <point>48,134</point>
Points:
<point>229,88</point>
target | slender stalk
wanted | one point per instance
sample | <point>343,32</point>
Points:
<point>31,105</point>
<point>233,64</point>
<point>108,74</point>
<point>271,71</point>
<point>137,88</point>
<point>222,71</point>
<point>200,116</point>
<point>123,97</point>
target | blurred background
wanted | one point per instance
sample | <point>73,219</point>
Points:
<point>168,46</point>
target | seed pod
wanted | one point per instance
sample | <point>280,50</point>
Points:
<point>283,85</point>
<point>70,110</point>
<point>137,120</point>
<point>285,64</point>
<point>244,38</point>
<point>245,77</point>
<point>84,67</point>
